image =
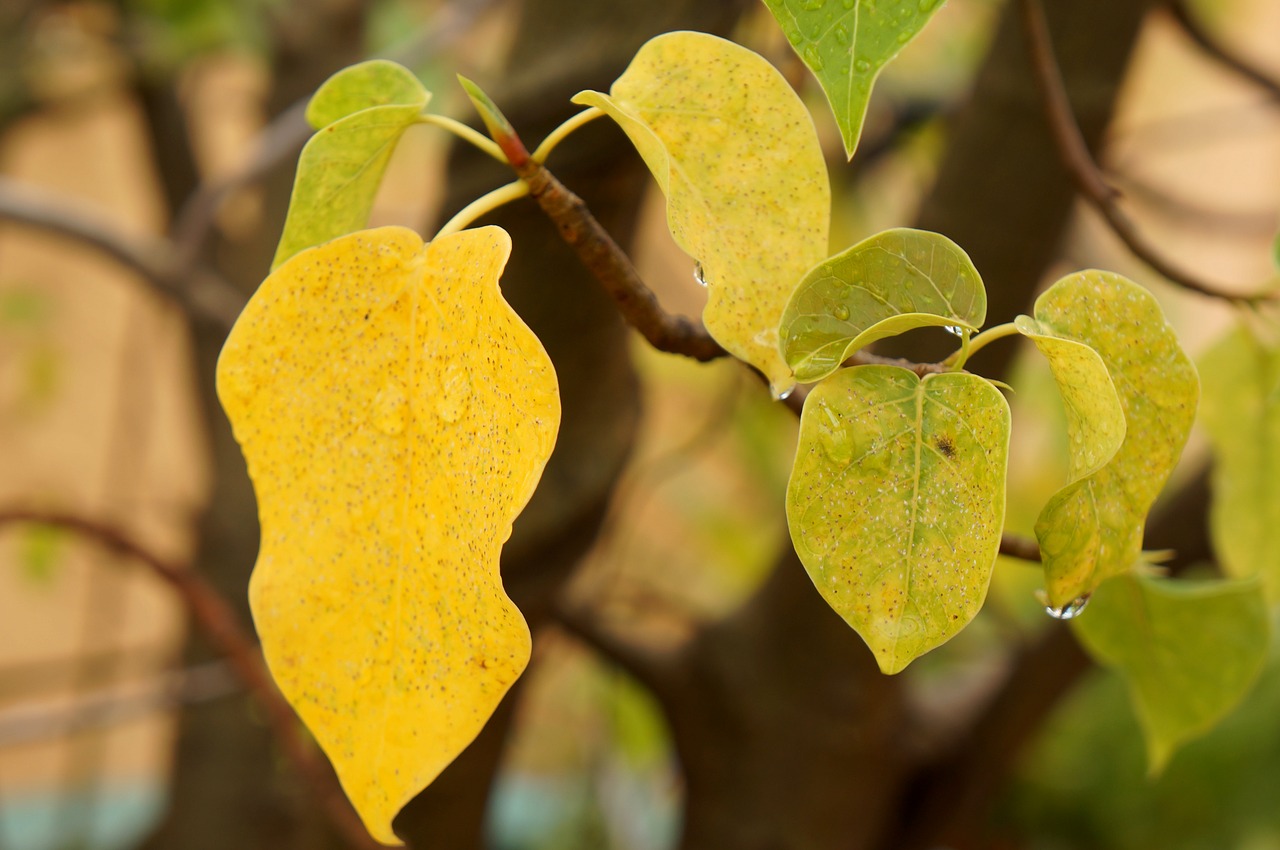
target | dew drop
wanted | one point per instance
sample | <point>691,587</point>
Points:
<point>455,394</point>
<point>813,58</point>
<point>1070,611</point>
<point>841,312</point>
<point>842,34</point>
<point>862,65</point>
<point>812,5</point>
<point>781,395</point>
<point>699,276</point>
<point>955,330</point>
<point>904,37</point>
<point>849,4</point>
<point>390,408</point>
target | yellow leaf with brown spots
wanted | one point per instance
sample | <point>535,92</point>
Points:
<point>396,415</point>
<point>736,154</point>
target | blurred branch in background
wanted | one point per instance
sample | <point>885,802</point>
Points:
<point>221,627</point>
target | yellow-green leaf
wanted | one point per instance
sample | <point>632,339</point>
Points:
<point>1094,416</point>
<point>1190,651</point>
<point>378,82</point>
<point>896,502</point>
<point>1092,528</point>
<point>1241,414</point>
<point>891,283</point>
<point>736,154</point>
<point>395,414</point>
<point>846,43</point>
<point>342,166</point>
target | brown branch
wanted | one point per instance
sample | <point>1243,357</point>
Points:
<point>1022,548</point>
<point>220,626</point>
<point>1088,178</point>
<point>200,293</point>
<point>1220,53</point>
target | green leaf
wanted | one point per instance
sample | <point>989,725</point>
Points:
<point>846,43</point>
<point>895,281</point>
<point>896,502</point>
<point>342,166</point>
<point>1241,414</point>
<point>378,82</point>
<point>736,154</point>
<point>1095,417</point>
<point>494,121</point>
<point>1189,651</point>
<point>1092,528</point>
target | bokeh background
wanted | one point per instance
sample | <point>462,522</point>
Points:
<point>166,132</point>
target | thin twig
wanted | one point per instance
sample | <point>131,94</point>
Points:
<point>223,630</point>
<point>115,705</point>
<point>1022,548</point>
<point>1219,52</point>
<point>1085,172</point>
<point>200,293</point>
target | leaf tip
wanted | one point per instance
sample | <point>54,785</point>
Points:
<point>500,129</point>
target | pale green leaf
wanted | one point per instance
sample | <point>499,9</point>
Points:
<point>378,82</point>
<point>891,283</point>
<point>846,43</point>
<point>1094,415</point>
<point>1241,414</point>
<point>342,166</point>
<point>395,414</point>
<point>1190,651</point>
<point>1092,529</point>
<point>896,502</point>
<point>736,154</point>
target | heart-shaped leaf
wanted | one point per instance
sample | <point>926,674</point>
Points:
<point>342,166</point>
<point>846,43</point>
<point>1241,414</point>
<point>1092,529</point>
<point>896,502</point>
<point>1190,651</point>
<point>736,154</point>
<point>395,414</point>
<point>891,283</point>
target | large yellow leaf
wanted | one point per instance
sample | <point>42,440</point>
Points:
<point>396,415</point>
<point>736,154</point>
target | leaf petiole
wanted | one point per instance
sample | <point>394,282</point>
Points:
<point>970,347</point>
<point>487,202</point>
<point>559,134</point>
<point>467,134</point>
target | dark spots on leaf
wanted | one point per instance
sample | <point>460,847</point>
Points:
<point>946,446</point>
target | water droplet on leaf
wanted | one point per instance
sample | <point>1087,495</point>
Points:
<point>812,5</point>
<point>455,394</point>
<point>841,312</point>
<point>390,408</point>
<point>1070,611</point>
<point>813,58</point>
<point>955,330</point>
<point>842,34</point>
<point>699,275</point>
<point>862,66</point>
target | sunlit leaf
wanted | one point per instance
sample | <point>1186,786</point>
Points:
<point>846,43</point>
<point>1241,414</point>
<point>1092,529</point>
<point>342,166</point>
<point>735,151</point>
<point>396,415</point>
<point>894,282</point>
<point>1190,651</point>
<point>896,502</point>
<point>378,82</point>
<point>1094,416</point>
